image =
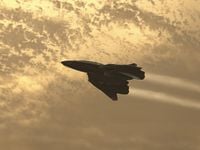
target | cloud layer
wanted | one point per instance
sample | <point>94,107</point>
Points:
<point>47,106</point>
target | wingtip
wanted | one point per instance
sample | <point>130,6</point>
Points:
<point>143,76</point>
<point>114,98</point>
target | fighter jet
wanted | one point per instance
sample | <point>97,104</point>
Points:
<point>109,78</point>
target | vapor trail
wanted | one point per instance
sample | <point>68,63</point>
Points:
<point>172,81</point>
<point>165,98</point>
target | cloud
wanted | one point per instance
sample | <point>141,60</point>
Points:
<point>47,106</point>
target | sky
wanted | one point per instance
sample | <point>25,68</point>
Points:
<point>44,105</point>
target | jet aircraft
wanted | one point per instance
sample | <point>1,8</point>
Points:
<point>109,78</point>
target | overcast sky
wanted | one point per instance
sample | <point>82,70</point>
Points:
<point>46,106</point>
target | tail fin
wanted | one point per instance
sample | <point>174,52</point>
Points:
<point>138,73</point>
<point>133,64</point>
<point>135,73</point>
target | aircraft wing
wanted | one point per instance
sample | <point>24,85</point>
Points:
<point>109,87</point>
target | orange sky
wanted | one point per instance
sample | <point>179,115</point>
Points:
<point>44,105</point>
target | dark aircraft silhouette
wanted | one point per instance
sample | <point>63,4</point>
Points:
<point>110,78</point>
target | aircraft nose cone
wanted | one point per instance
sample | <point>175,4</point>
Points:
<point>67,63</point>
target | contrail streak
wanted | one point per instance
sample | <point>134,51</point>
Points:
<point>172,81</point>
<point>165,98</point>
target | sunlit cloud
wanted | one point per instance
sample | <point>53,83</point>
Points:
<point>45,98</point>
